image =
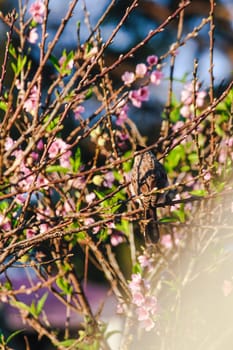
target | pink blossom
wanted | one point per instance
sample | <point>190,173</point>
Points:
<point>145,261</point>
<point>110,224</point>
<point>5,223</point>
<point>148,324</point>
<point>59,146</point>
<point>229,142</point>
<point>176,206</point>
<point>108,179</point>
<point>20,198</point>
<point>30,233</point>
<point>185,111</point>
<point>40,145</point>
<point>141,70</point>
<point>41,181</point>
<point>9,143</point>
<point>156,77</point>
<point>139,96</point>
<point>167,241</point>
<point>152,60</point>
<point>186,95</point>
<point>151,304</point>
<point>143,93</point>
<point>136,282</point>
<point>189,180</point>
<point>90,197</point>
<point>78,183</point>
<point>34,156</point>
<point>69,206</point>
<point>135,98</point>
<point>31,103</point>
<point>122,116</point>
<point>90,221</point>
<point>65,159</point>
<point>54,149</point>
<point>138,298</point>
<point>207,176</point>
<point>143,313</point>
<point>33,36</point>
<point>116,238</point>
<point>200,98</point>
<point>44,228</point>
<point>78,111</point>
<point>37,10</point>
<point>128,78</point>
<point>177,125</point>
<point>227,287</point>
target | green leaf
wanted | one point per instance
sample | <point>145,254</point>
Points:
<point>54,61</point>
<point>175,115</point>
<point>174,157</point>
<point>193,158</point>
<point>3,106</point>
<point>56,168</point>
<point>11,336</point>
<point>20,63</point>
<point>137,268</point>
<point>89,93</point>
<point>41,303</point>
<point>99,194</point>
<point>76,162</point>
<point>180,214</point>
<point>68,342</point>
<point>168,219</point>
<point>20,305</point>
<point>52,125</point>
<point>64,286</point>
<point>3,205</point>
<point>12,51</point>
<point>200,193</point>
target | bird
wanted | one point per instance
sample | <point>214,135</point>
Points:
<point>148,174</point>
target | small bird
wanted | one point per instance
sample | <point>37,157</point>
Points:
<point>148,174</point>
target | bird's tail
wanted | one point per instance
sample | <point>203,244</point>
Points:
<point>151,228</point>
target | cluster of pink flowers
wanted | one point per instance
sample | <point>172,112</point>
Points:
<point>33,36</point>
<point>188,100</point>
<point>78,111</point>
<point>143,70</point>
<point>146,305</point>
<point>25,175</point>
<point>116,236</point>
<point>30,104</point>
<point>57,147</point>
<point>5,223</point>
<point>140,95</point>
<point>37,11</point>
<point>168,242</point>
